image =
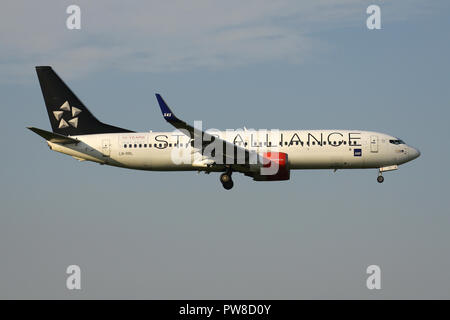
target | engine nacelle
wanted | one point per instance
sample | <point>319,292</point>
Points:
<point>274,168</point>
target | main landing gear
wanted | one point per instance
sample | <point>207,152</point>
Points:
<point>226,180</point>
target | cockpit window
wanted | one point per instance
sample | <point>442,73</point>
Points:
<point>396,141</point>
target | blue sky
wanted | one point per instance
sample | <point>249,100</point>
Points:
<point>230,64</point>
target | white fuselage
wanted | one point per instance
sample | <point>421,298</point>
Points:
<point>306,149</point>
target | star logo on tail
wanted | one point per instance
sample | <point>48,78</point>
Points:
<point>59,116</point>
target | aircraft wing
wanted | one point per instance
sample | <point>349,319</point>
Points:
<point>53,137</point>
<point>230,153</point>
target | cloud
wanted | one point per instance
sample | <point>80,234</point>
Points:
<point>165,36</point>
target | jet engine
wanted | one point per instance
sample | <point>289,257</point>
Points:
<point>275,167</point>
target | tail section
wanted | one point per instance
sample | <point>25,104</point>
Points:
<point>68,115</point>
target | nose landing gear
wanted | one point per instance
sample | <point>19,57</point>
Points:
<point>380,178</point>
<point>225,179</point>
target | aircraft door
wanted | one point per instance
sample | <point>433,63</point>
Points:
<point>106,147</point>
<point>373,143</point>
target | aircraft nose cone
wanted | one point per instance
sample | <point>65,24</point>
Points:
<point>415,153</point>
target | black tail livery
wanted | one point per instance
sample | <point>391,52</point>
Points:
<point>68,115</point>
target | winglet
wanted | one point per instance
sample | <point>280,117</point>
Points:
<point>166,112</point>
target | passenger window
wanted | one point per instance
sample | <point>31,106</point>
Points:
<point>129,145</point>
<point>135,145</point>
<point>160,145</point>
<point>124,145</point>
<point>314,143</point>
<point>145,145</point>
<point>140,145</point>
<point>170,145</point>
<point>155,145</point>
<point>324,143</point>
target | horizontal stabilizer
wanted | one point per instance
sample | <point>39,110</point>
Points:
<point>53,137</point>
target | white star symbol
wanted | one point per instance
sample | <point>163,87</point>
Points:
<point>59,116</point>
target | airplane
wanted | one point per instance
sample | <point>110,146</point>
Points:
<point>264,155</point>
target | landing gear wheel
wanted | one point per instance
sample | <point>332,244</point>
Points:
<point>380,179</point>
<point>225,178</point>
<point>228,185</point>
